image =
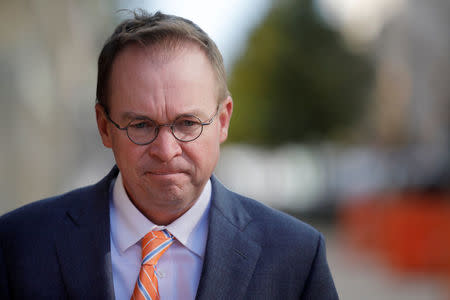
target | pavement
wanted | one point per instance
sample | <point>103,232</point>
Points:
<point>362,276</point>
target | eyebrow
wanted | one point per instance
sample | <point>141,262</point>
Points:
<point>132,116</point>
<point>129,115</point>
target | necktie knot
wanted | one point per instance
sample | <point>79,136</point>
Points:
<point>154,244</point>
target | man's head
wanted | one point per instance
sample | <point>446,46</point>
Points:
<point>165,75</point>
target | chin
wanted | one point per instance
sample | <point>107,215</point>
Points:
<point>167,188</point>
<point>173,198</point>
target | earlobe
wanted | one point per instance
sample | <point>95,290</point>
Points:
<point>225,118</point>
<point>102,125</point>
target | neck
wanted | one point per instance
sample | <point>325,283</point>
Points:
<point>161,216</point>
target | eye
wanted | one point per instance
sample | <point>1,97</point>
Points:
<point>187,122</point>
<point>141,124</point>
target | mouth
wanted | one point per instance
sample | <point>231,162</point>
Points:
<point>165,172</point>
<point>166,177</point>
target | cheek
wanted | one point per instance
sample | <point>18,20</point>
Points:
<point>126,154</point>
<point>205,156</point>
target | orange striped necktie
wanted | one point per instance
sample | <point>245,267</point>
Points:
<point>154,244</point>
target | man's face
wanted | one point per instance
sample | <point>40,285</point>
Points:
<point>165,177</point>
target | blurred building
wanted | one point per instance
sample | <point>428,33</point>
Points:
<point>48,72</point>
<point>411,108</point>
<point>412,96</point>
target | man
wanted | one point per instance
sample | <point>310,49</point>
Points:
<point>164,109</point>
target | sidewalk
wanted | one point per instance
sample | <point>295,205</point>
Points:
<point>358,276</point>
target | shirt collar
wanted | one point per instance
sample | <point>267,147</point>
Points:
<point>129,225</point>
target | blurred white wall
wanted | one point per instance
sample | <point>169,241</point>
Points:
<point>48,75</point>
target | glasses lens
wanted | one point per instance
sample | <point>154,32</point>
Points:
<point>142,131</point>
<point>187,128</point>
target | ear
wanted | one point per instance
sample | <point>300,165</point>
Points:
<point>224,118</point>
<point>102,124</point>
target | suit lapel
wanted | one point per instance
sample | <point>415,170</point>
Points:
<point>84,251</point>
<point>231,253</point>
<point>83,246</point>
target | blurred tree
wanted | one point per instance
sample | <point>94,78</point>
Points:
<point>296,81</point>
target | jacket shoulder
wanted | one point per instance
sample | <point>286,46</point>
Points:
<point>261,221</point>
<point>47,213</point>
<point>273,221</point>
<point>42,213</point>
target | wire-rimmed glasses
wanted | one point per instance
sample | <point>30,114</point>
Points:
<point>143,130</point>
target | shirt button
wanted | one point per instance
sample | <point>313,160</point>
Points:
<point>161,274</point>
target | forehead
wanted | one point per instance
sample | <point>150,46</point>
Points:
<point>147,78</point>
<point>161,56</point>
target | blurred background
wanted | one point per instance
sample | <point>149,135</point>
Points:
<point>341,118</point>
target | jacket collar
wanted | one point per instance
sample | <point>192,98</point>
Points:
<point>83,246</point>
<point>231,252</point>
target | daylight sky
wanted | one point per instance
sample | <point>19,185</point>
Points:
<point>230,22</point>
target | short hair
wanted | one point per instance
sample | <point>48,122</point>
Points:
<point>152,30</point>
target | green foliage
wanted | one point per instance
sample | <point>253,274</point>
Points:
<point>296,81</point>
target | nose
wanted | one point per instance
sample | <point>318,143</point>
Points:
<point>165,146</point>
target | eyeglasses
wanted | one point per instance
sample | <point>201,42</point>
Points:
<point>143,131</point>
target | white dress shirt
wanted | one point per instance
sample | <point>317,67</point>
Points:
<point>179,268</point>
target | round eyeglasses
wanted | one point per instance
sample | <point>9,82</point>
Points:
<point>143,131</point>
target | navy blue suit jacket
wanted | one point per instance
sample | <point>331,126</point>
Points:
<point>59,248</point>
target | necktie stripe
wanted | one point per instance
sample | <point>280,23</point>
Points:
<point>148,243</point>
<point>154,244</point>
<point>150,281</point>
<point>143,290</point>
<point>166,235</point>
<point>145,283</point>
<point>157,251</point>
<point>159,247</point>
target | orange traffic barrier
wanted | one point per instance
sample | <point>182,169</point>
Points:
<point>410,231</point>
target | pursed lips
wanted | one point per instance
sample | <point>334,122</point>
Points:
<point>165,172</point>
